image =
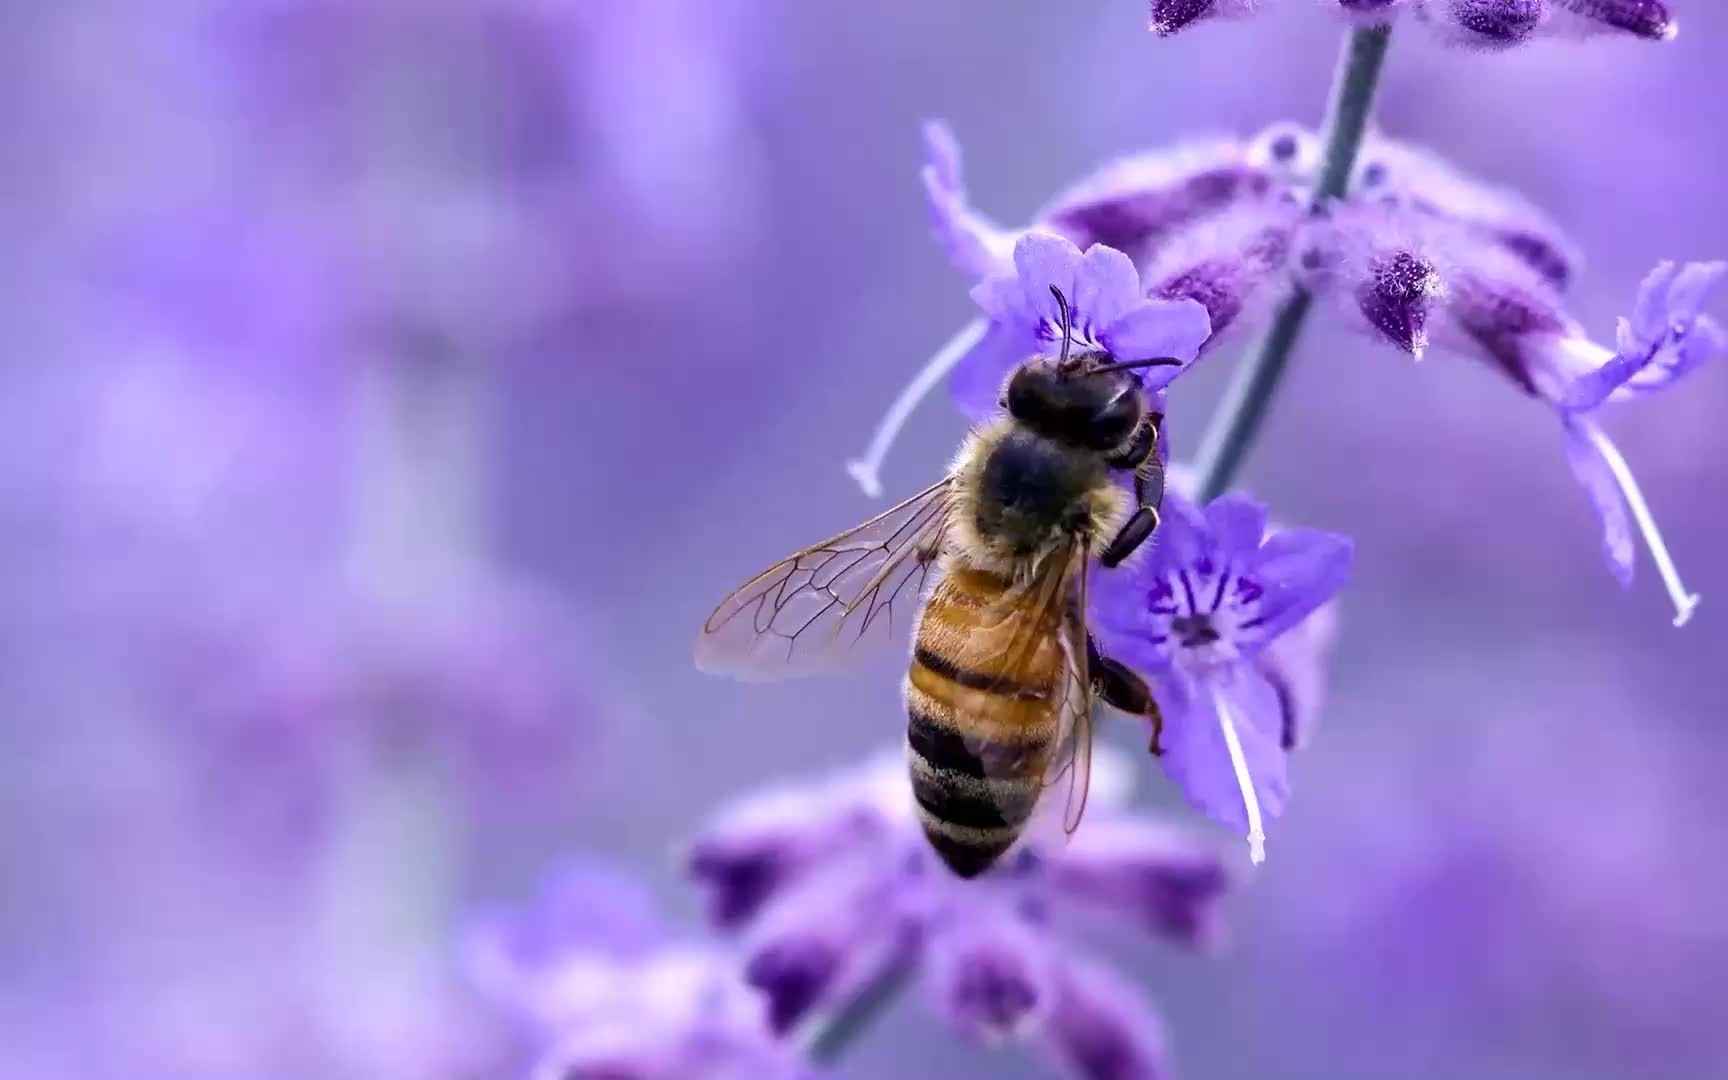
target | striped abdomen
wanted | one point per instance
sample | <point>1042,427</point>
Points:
<point>983,724</point>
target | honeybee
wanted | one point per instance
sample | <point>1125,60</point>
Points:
<point>1003,672</point>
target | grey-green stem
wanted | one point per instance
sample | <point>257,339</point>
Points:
<point>1239,418</point>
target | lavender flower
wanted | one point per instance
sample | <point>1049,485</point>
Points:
<point>597,990</point>
<point>1416,255</point>
<point>833,887</point>
<point>1194,615</point>
<point>1483,24</point>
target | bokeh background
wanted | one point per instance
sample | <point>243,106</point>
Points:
<point>388,388</point>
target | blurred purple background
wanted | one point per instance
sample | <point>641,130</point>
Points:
<point>390,388</point>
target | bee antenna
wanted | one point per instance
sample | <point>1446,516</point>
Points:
<point>1067,326</point>
<point>1157,361</point>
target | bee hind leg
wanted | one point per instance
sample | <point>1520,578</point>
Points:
<point>1119,687</point>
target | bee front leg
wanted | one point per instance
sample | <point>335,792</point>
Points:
<point>1142,457</point>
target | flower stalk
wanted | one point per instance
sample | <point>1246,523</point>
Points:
<point>1249,397</point>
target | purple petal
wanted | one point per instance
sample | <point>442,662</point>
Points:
<point>1154,328</point>
<point>1598,481</point>
<point>826,937</point>
<point>1665,338</point>
<point>972,243</point>
<point>766,842</point>
<point>1106,287</point>
<point>1237,524</point>
<point>1197,758</point>
<point>1043,260</point>
<point>1294,665</point>
<point>586,908</point>
<point>1161,878</point>
<point>1234,264</point>
<point>1300,569</point>
<point>989,976</point>
<point>1103,1028</point>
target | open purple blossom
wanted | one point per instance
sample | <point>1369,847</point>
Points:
<point>832,886</point>
<point>595,989</point>
<point>1108,310</point>
<point>1479,24</point>
<point>1417,255</point>
<point>1214,593</point>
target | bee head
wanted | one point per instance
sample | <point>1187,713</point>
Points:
<point>1083,399</point>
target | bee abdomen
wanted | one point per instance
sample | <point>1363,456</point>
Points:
<point>974,793</point>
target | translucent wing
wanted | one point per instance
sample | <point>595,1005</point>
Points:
<point>1074,747</point>
<point>832,603</point>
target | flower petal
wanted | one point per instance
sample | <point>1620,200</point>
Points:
<point>976,384</point>
<point>974,244</point>
<point>1294,665</point>
<point>1237,524</point>
<point>1164,879</point>
<point>1157,328</point>
<point>1103,1028</point>
<point>1043,260</point>
<point>1196,755</point>
<point>1300,569</point>
<point>1665,338</point>
<point>989,976</point>
<point>1106,287</point>
<point>1598,481</point>
<point>1485,24</point>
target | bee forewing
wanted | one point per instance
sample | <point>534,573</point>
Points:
<point>833,603</point>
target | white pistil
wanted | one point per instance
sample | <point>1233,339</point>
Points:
<point>866,470</point>
<point>1685,603</point>
<point>1244,782</point>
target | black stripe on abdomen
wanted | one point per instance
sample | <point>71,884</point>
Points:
<point>978,680</point>
<point>970,812</point>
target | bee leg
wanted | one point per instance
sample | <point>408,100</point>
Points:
<point>1133,534</point>
<point>1119,687</point>
<point>1140,448</point>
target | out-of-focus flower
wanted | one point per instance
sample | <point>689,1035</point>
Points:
<point>1482,24</point>
<point>1195,615</point>
<point>833,887</point>
<point>282,714</point>
<point>595,989</point>
<point>1529,879</point>
<point>1416,254</point>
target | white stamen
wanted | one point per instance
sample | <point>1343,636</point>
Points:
<point>1244,782</point>
<point>866,469</point>
<point>1685,603</point>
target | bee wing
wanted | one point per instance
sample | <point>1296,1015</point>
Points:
<point>832,603</point>
<point>1074,747</point>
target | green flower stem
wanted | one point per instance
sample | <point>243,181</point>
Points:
<point>1227,439</point>
<point>839,1031</point>
<point>1246,402</point>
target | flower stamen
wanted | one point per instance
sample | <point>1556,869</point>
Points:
<point>1685,603</point>
<point>866,470</point>
<point>1244,782</point>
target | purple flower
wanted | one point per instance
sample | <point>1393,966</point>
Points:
<point>1194,615</point>
<point>1417,255</point>
<point>1108,310</point>
<point>1482,24</point>
<point>860,896</point>
<point>1500,309</point>
<point>599,991</point>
